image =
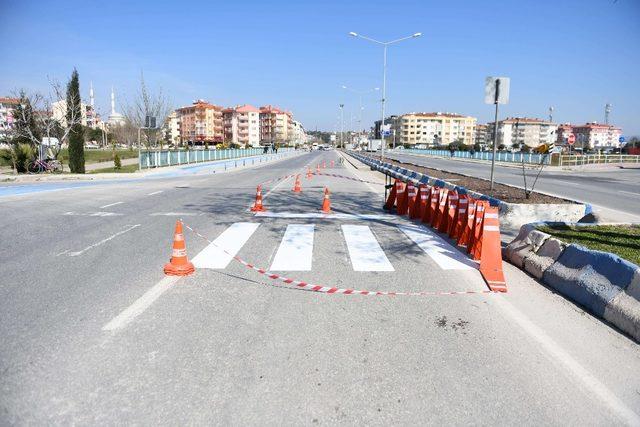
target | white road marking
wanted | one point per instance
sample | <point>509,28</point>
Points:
<point>364,250</point>
<point>154,193</point>
<point>320,215</point>
<point>557,353</point>
<point>111,204</point>
<point>628,192</point>
<point>131,227</point>
<point>296,249</point>
<point>173,214</point>
<point>437,248</point>
<point>92,214</point>
<point>231,240</point>
<point>141,304</point>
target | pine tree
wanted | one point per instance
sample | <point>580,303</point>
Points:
<point>76,138</point>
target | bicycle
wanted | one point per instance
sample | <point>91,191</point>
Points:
<point>47,165</point>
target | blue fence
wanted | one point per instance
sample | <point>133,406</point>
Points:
<point>501,156</point>
<point>160,158</point>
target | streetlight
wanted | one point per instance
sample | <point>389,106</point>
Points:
<point>360,93</point>
<point>384,75</point>
<point>341,125</point>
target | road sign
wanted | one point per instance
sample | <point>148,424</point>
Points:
<point>386,130</point>
<point>496,90</point>
<point>150,122</point>
<point>571,139</point>
<point>621,139</point>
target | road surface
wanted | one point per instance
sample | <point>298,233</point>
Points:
<point>616,193</point>
<point>93,333</point>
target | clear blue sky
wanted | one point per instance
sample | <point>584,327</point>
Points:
<point>576,55</point>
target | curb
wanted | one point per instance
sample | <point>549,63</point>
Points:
<point>603,283</point>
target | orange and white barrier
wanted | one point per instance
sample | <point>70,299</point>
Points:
<point>257,205</point>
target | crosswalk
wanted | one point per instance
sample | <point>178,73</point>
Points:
<point>295,250</point>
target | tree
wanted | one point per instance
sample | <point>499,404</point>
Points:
<point>148,103</point>
<point>76,139</point>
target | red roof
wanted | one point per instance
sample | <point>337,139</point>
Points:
<point>7,100</point>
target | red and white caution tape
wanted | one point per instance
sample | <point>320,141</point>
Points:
<point>299,284</point>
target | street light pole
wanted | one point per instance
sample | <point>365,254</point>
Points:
<point>341,126</point>
<point>360,93</point>
<point>384,76</point>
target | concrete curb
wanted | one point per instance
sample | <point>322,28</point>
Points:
<point>605,284</point>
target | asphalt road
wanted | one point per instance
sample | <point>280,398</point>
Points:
<point>93,333</point>
<point>616,193</point>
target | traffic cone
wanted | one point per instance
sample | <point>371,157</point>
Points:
<point>412,200</point>
<point>324,164</point>
<point>391,198</point>
<point>326,203</point>
<point>179,265</point>
<point>318,168</point>
<point>467,224</point>
<point>297,187</point>
<point>459,220</point>
<point>403,201</point>
<point>475,241</point>
<point>491,254</point>
<point>309,174</point>
<point>332,163</point>
<point>423,200</point>
<point>257,206</point>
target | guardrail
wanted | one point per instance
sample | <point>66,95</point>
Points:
<point>501,156</point>
<point>161,158</point>
<point>596,159</point>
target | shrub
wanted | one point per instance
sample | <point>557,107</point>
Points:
<point>117,164</point>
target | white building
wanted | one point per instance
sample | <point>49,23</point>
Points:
<point>592,135</point>
<point>242,125</point>
<point>298,135</point>
<point>7,105</point>
<point>431,129</point>
<point>171,128</point>
<point>523,130</point>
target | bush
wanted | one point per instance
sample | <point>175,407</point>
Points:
<point>117,164</point>
<point>20,155</point>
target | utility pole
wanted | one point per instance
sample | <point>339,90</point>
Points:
<point>607,111</point>
<point>551,114</point>
<point>341,125</point>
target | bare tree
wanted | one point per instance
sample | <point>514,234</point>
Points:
<point>148,103</point>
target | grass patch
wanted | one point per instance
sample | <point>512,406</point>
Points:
<point>123,169</point>
<point>622,240</point>
<point>95,156</point>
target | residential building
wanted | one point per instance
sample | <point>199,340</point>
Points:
<point>90,117</point>
<point>392,121</point>
<point>297,134</point>
<point>433,129</point>
<point>481,136</point>
<point>171,128</point>
<point>7,105</point>
<point>242,125</point>
<point>201,123</point>
<point>515,131</point>
<point>597,136</point>
<point>274,125</point>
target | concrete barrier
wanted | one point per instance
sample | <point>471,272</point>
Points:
<point>528,241</point>
<point>590,278</point>
<point>624,309</point>
<point>537,262</point>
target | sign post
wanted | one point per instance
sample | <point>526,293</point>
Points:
<point>496,91</point>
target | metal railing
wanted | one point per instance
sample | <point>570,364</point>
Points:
<point>501,156</point>
<point>597,159</point>
<point>161,158</point>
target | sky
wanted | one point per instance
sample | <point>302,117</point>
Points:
<point>574,55</point>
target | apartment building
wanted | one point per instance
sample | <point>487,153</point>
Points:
<point>593,135</point>
<point>7,105</point>
<point>274,125</point>
<point>515,131</point>
<point>242,125</point>
<point>201,123</point>
<point>297,134</point>
<point>481,136</point>
<point>432,129</point>
<point>171,128</point>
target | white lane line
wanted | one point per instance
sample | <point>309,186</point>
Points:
<point>628,192</point>
<point>231,240</point>
<point>154,193</point>
<point>558,354</point>
<point>111,204</point>
<point>141,304</point>
<point>173,214</point>
<point>319,215</point>
<point>131,227</point>
<point>296,249</point>
<point>92,214</point>
<point>437,248</point>
<point>364,250</point>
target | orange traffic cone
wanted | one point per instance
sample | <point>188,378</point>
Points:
<point>332,163</point>
<point>257,206</point>
<point>318,168</point>
<point>491,254</point>
<point>324,164</point>
<point>309,174</point>
<point>297,187</point>
<point>179,265</point>
<point>326,203</point>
